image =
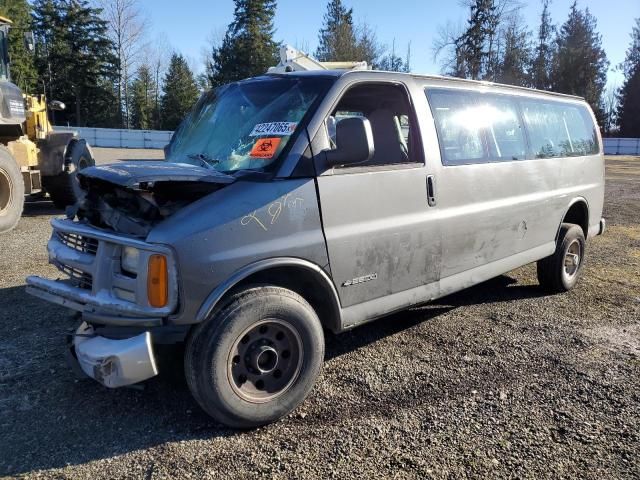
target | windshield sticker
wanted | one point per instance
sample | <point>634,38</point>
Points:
<point>275,128</point>
<point>265,147</point>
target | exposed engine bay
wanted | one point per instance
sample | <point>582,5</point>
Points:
<point>132,197</point>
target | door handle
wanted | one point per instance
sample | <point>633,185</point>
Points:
<point>431,190</point>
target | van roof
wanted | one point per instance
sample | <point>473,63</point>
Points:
<point>443,78</point>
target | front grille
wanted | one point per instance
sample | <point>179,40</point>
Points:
<point>79,242</point>
<point>78,278</point>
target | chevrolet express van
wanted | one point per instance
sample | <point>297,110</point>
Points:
<point>297,202</point>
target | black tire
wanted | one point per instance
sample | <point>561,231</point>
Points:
<point>292,343</point>
<point>11,191</point>
<point>64,188</point>
<point>559,272</point>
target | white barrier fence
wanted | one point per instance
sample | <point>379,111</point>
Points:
<point>621,146</point>
<point>117,138</point>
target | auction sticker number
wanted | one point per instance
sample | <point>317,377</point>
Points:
<point>274,128</point>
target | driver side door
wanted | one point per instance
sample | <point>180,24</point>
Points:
<point>381,233</point>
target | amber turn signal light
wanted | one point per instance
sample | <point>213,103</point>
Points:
<point>157,281</point>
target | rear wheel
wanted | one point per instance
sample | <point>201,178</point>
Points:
<point>560,272</point>
<point>11,191</point>
<point>257,358</point>
<point>64,188</point>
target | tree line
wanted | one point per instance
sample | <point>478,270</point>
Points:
<point>93,55</point>
<point>497,45</point>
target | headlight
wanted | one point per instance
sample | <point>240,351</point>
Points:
<point>129,260</point>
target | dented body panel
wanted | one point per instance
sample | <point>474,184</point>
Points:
<point>244,223</point>
<point>133,174</point>
<point>370,239</point>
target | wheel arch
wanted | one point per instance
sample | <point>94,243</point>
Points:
<point>577,213</point>
<point>301,276</point>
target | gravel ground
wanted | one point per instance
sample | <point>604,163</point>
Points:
<point>497,381</point>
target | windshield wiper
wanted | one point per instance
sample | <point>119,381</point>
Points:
<point>205,159</point>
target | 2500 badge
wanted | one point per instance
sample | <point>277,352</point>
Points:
<point>357,280</point>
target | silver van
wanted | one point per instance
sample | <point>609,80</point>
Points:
<point>293,203</point>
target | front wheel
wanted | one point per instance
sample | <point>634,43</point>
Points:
<point>257,358</point>
<point>64,188</point>
<point>560,271</point>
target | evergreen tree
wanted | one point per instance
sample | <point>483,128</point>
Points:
<point>73,55</point>
<point>394,63</point>
<point>180,93</point>
<point>629,95</point>
<point>248,48</point>
<point>337,39</point>
<point>143,94</point>
<point>476,49</point>
<point>516,56</point>
<point>22,68</point>
<point>541,70</point>
<point>368,49</point>
<point>101,109</point>
<point>51,49</point>
<point>580,64</point>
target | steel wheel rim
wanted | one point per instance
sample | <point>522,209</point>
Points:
<point>572,259</point>
<point>265,360</point>
<point>6,190</point>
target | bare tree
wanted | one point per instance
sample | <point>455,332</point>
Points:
<point>127,29</point>
<point>407,61</point>
<point>368,47</point>
<point>158,56</point>
<point>445,47</point>
<point>208,51</point>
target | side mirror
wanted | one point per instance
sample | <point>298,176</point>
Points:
<point>29,41</point>
<point>354,141</point>
<point>57,105</point>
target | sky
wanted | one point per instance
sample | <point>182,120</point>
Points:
<point>188,25</point>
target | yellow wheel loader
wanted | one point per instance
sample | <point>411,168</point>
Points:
<point>33,157</point>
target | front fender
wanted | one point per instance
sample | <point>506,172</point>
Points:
<point>316,271</point>
<point>235,228</point>
<point>53,151</point>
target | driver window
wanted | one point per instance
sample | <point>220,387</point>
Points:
<point>389,113</point>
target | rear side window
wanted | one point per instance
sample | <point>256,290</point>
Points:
<point>559,130</point>
<point>503,128</point>
<point>459,126</point>
<point>477,128</point>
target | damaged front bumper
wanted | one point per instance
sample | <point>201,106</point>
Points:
<point>96,283</point>
<point>113,363</point>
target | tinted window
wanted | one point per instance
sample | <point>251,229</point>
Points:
<point>559,130</point>
<point>459,126</point>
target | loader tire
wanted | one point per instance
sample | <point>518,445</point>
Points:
<point>11,191</point>
<point>64,187</point>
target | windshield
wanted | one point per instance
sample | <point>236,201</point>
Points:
<point>245,125</point>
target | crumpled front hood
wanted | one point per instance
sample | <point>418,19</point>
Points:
<point>133,174</point>
<point>133,197</point>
